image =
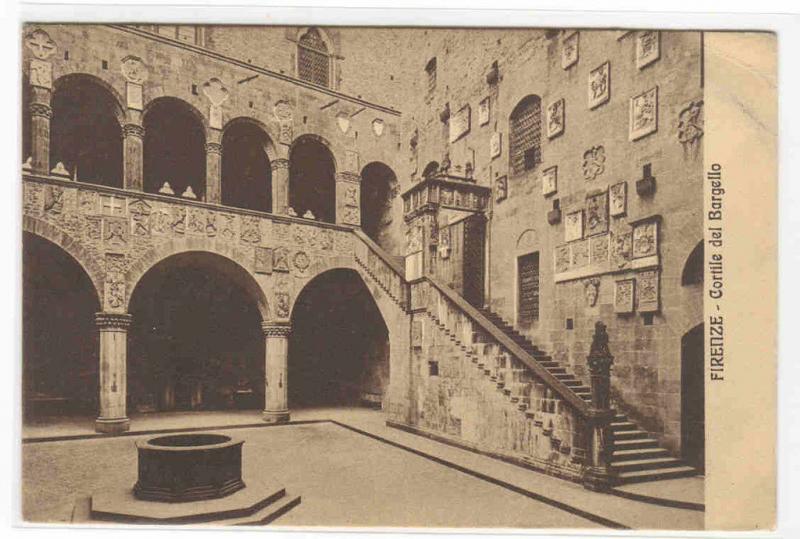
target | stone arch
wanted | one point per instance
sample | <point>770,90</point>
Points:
<point>693,266</point>
<point>312,177</point>
<point>246,170</point>
<point>235,266</point>
<point>269,147</point>
<point>379,188</point>
<point>430,169</point>
<point>199,116</point>
<point>78,252</point>
<point>119,101</point>
<point>527,241</point>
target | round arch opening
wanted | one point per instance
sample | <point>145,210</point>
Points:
<point>312,179</point>
<point>246,169</point>
<point>174,149</point>
<point>195,341</point>
<point>339,346</point>
<point>85,131</point>
<point>59,339</point>
<point>378,189</point>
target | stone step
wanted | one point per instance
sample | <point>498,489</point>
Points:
<point>267,514</point>
<point>631,435</point>
<point>646,464</point>
<point>639,443</point>
<point>641,476</point>
<point>619,455</point>
<point>623,425</point>
<point>572,383</point>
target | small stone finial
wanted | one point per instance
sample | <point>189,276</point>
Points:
<point>291,211</point>
<point>166,189</point>
<point>60,170</point>
<point>27,166</point>
<point>189,193</point>
<point>600,358</point>
<point>444,167</point>
<point>469,170</point>
<point>308,215</point>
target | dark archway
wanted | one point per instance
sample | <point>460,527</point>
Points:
<point>195,341</point>
<point>693,398</point>
<point>378,189</point>
<point>174,148</point>
<point>85,131</point>
<point>246,171</point>
<point>59,338</point>
<point>693,268</point>
<point>312,179</point>
<point>339,348</point>
<point>430,169</point>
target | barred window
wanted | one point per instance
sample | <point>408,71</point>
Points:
<point>430,70</point>
<point>528,288</point>
<point>524,135</point>
<point>313,59</point>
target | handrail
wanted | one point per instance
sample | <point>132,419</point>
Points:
<point>383,255</point>
<point>565,392</point>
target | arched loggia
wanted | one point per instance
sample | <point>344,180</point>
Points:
<point>195,341</point>
<point>246,170</point>
<point>174,149</point>
<point>312,179</point>
<point>85,131</point>
<point>339,347</point>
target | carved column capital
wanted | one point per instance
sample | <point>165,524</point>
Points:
<point>133,130</point>
<point>276,329</point>
<point>279,163</point>
<point>41,109</point>
<point>112,321</point>
<point>213,147</point>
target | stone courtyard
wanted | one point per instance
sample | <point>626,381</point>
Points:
<point>481,247</point>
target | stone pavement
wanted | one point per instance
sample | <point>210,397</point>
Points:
<point>466,472</point>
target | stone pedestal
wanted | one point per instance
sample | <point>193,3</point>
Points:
<point>276,396</point>
<point>280,186</point>
<point>213,172</point>
<point>113,328</point>
<point>133,156</point>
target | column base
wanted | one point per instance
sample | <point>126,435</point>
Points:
<point>112,426</point>
<point>281,416</point>
<point>597,479</point>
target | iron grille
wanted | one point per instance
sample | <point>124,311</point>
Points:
<point>313,62</point>
<point>528,287</point>
<point>525,135</point>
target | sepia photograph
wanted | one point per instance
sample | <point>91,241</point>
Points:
<point>374,276</point>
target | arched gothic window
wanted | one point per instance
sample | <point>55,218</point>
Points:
<point>313,58</point>
<point>525,135</point>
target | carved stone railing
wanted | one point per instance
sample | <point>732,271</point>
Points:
<point>468,325</point>
<point>379,265</point>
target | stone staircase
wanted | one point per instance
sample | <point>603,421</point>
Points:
<point>636,457</point>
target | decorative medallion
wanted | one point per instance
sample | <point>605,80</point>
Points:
<point>263,260</point>
<point>621,244</point>
<point>140,217</point>
<point>623,296</point>
<point>648,48</point>
<point>343,121</point>
<point>594,162</point>
<point>573,226</point>
<point>178,220</point>
<point>580,254</point>
<point>598,249</point>
<point>495,144</point>
<point>562,258</point>
<point>280,259</point>
<point>643,114</point>
<point>40,44</point>
<point>114,291</point>
<point>690,123</point>
<point>618,197</point>
<point>282,304</point>
<point>599,85</point>
<point>555,118</point>
<point>377,126</point>
<point>53,199</point>
<point>484,111</point>
<point>301,260</point>
<point>251,229</point>
<point>647,288</point>
<point>133,69</point>
<point>645,239</point>
<point>596,214</point>
<point>500,188</point>
<point>569,49</point>
<point>283,111</point>
<point>115,232</point>
<point>550,181</point>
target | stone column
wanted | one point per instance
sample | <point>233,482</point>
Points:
<point>113,328</point>
<point>280,186</point>
<point>276,396</point>
<point>133,156</point>
<point>40,112</point>
<point>598,475</point>
<point>214,166</point>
